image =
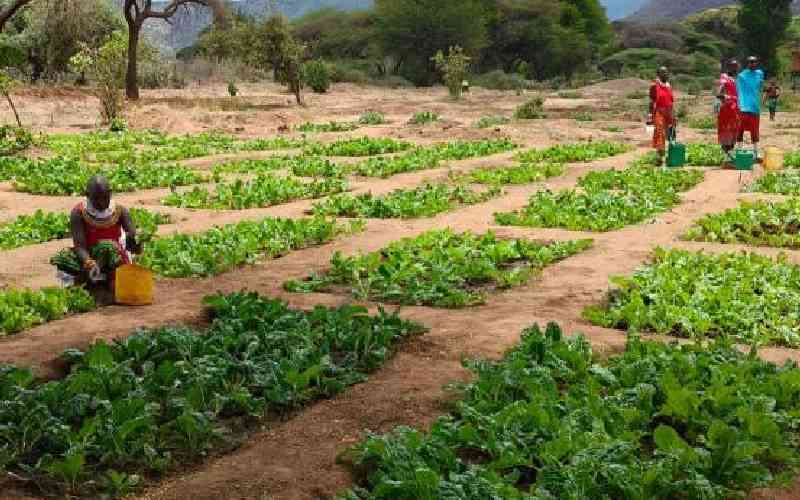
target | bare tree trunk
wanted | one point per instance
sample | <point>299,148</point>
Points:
<point>13,108</point>
<point>10,11</point>
<point>132,76</point>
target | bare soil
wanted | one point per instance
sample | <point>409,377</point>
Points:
<point>297,459</point>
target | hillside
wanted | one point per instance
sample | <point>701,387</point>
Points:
<point>618,9</point>
<point>654,10</point>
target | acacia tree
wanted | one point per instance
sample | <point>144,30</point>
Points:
<point>139,11</point>
<point>764,24</point>
<point>8,11</point>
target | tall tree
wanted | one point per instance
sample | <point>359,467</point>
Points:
<point>764,24</point>
<point>139,11</point>
<point>415,30</point>
<point>8,10</point>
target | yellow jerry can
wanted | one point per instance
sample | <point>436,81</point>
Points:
<point>133,286</point>
<point>773,159</point>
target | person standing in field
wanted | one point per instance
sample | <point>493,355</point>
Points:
<point>662,116</point>
<point>773,93</point>
<point>749,85</point>
<point>728,120</point>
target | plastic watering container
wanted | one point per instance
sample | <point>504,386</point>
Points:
<point>133,286</point>
<point>676,155</point>
<point>773,159</point>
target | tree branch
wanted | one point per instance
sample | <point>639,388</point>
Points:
<point>10,11</point>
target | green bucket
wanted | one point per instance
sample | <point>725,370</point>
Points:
<point>676,155</point>
<point>744,159</point>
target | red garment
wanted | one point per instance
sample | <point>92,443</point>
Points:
<point>729,120</point>
<point>751,122</point>
<point>110,230</point>
<point>662,96</point>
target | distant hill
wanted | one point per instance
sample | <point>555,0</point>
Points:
<point>659,10</point>
<point>618,9</point>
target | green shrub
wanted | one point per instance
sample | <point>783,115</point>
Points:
<point>232,90</point>
<point>703,122</point>
<point>423,117</point>
<point>453,68</point>
<point>531,110</point>
<point>491,121</point>
<point>372,118</point>
<point>570,94</point>
<point>317,76</point>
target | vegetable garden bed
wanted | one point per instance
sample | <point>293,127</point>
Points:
<point>303,166</point>
<point>223,248</point>
<point>746,297</point>
<point>573,153</point>
<point>551,421</point>
<point>756,223</point>
<point>23,309</point>
<point>264,191</point>
<point>424,201</point>
<point>47,226</point>
<point>608,200</point>
<point>440,268</point>
<point>524,173</point>
<point>787,183</point>
<point>164,398</point>
<point>363,146</point>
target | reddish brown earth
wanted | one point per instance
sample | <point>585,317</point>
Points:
<point>296,459</point>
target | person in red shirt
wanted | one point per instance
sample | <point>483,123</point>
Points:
<point>662,116</point>
<point>729,119</point>
<point>97,219</point>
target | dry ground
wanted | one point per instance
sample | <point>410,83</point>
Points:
<point>296,459</point>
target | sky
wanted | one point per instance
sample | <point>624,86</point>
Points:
<point>620,8</point>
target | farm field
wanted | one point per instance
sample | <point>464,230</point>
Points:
<point>455,240</point>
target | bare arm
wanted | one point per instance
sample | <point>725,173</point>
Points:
<point>130,231</point>
<point>78,231</point>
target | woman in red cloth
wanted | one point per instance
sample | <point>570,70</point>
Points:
<point>661,112</point>
<point>98,219</point>
<point>729,120</point>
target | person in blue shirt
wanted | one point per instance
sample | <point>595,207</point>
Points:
<point>749,85</point>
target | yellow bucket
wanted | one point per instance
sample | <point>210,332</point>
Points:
<point>773,159</point>
<point>133,286</point>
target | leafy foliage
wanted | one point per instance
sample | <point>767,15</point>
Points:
<point>424,201</point>
<point>745,296</point>
<point>454,68</point>
<point>163,398</point>
<point>532,109</point>
<point>317,75</point>
<point>575,152</point>
<point>697,155</point>
<point>326,127</point>
<point>14,140</point>
<point>264,191</point>
<point>609,200</point>
<point>223,248</point>
<point>23,309</point>
<point>362,146</point>
<point>752,223</point>
<point>777,183</point>
<point>440,268</point>
<point>423,118</point>
<point>524,173</point>
<point>47,226</point>
<point>547,421</point>
<point>492,121</point>
<point>372,118</point>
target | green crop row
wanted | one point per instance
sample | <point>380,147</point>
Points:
<point>523,173</point>
<point>316,128</point>
<point>47,226</point>
<point>68,176</point>
<point>430,157</point>
<point>747,297</point>
<point>549,421</point>
<point>264,191</point>
<point>787,183</point>
<point>424,201</point>
<point>223,248</point>
<point>303,166</point>
<point>439,268</point>
<point>163,398</point>
<point>757,223</point>
<point>572,153</point>
<point>609,200</point>
<point>362,146</point>
<point>697,155</point>
<point>23,309</point>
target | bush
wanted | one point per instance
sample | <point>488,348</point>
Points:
<point>424,117</point>
<point>232,89</point>
<point>317,76</point>
<point>531,110</point>
<point>491,121</point>
<point>372,118</point>
<point>348,72</point>
<point>500,80</point>
<point>453,68</point>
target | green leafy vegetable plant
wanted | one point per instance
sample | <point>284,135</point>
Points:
<point>326,127</point>
<point>440,268</point>
<point>492,121</point>
<point>264,191</point>
<point>523,173</point>
<point>549,420</point>
<point>746,297</point>
<point>424,118</point>
<point>575,152</point>
<point>752,223</point>
<point>532,109</point>
<point>21,309</point>
<point>223,248</point>
<point>164,398</point>
<point>363,146</point>
<point>424,201</point>
<point>787,183</point>
<point>372,118</point>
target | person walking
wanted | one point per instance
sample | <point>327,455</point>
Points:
<point>773,93</point>
<point>728,119</point>
<point>749,86</point>
<point>662,117</point>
